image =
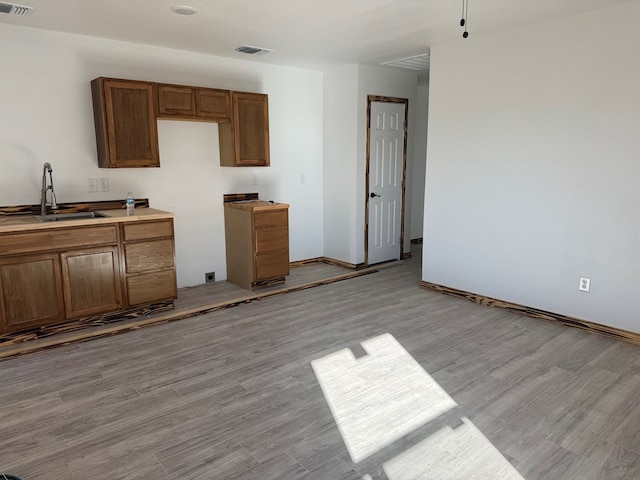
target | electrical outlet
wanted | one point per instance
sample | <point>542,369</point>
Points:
<point>209,277</point>
<point>585,284</point>
<point>302,179</point>
<point>254,179</point>
<point>104,184</point>
<point>93,185</point>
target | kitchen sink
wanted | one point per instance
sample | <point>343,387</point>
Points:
<point>59,217</point>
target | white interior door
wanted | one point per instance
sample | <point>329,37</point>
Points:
<point>386,167</point>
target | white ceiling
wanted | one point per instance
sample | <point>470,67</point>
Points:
<point>301,33</point>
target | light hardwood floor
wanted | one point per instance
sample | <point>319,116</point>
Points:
<point>233,395</point>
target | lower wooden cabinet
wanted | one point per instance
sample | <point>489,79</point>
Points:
<point>149,259</point>
<point>257,241</point>
<point>91,281</point>
<point>49,276</point>
<point>30,292</point>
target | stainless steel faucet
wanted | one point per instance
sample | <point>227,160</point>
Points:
<point>43,194</point>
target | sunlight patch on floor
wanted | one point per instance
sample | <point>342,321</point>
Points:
<point>383,396</point>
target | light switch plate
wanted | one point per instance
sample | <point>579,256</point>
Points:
<point>104,184</point>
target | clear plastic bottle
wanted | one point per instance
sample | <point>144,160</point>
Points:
<point>131,204</point>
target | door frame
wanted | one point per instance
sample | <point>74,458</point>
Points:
<point>383,99</point>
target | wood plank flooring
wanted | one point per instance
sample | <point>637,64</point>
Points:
<point>232,394</point>
<point>191,301</point>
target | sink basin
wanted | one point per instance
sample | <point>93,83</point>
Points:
<point>58,217</point>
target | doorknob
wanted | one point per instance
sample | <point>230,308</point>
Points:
<point>374,195</point>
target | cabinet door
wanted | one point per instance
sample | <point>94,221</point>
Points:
<point>213,104</point>
<point>30,292</point>
<point>125,121</point>
<point>244,142</point>
<point>174,100</point>
<point>91,281</point>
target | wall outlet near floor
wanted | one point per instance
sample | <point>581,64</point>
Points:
<point>585,284</point>
<point>209,277</point>
<point>92,185</point>
<point>103,183</point>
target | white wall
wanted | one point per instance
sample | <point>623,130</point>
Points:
<point>345,108</point>
<point>340,165</point>
<point>532,169</point>
<point>419,166</point>
<point>46,115</point>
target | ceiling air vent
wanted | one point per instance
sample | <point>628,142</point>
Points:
<point>248,49</point>
<point>417,62</point>
<point>13,9</point>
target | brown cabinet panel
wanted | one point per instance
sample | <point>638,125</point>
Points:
<point>272,238</point>
<point>151,287</point>
<point>213,104</point>
<point>245,141</point>
<point>174,100</point>
<point>272,265</point>
<point>273,217</point>
<point>30,292</point>
<point>91,281</point>
<point>152,255</point>
<point>58,239</point>
<point>145,230</point>
<point>125,122</point>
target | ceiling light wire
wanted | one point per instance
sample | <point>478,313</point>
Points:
<point>464,20</point>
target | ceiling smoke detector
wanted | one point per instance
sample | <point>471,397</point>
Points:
<point>183,10</point>
<point>417,62</point>
<point>249,50</point>
<point>14,9</point>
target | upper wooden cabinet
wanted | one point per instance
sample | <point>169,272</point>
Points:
<point>126,111</point>
<point>193,103</point>
<point>244,142</point>
<point>125,121</point>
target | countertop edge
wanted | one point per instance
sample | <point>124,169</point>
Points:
<point>24,223</point>
<point>256,206</point>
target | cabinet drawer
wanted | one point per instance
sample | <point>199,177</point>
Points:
<point>47,240</point>
<point>278,217</point>
<point>269,239</point>
<point>151,287</point>
<point>271,265</point>
<point>144,256</point>
<point>144,230</point>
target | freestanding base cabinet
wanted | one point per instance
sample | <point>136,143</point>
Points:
<point>257,241</point>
